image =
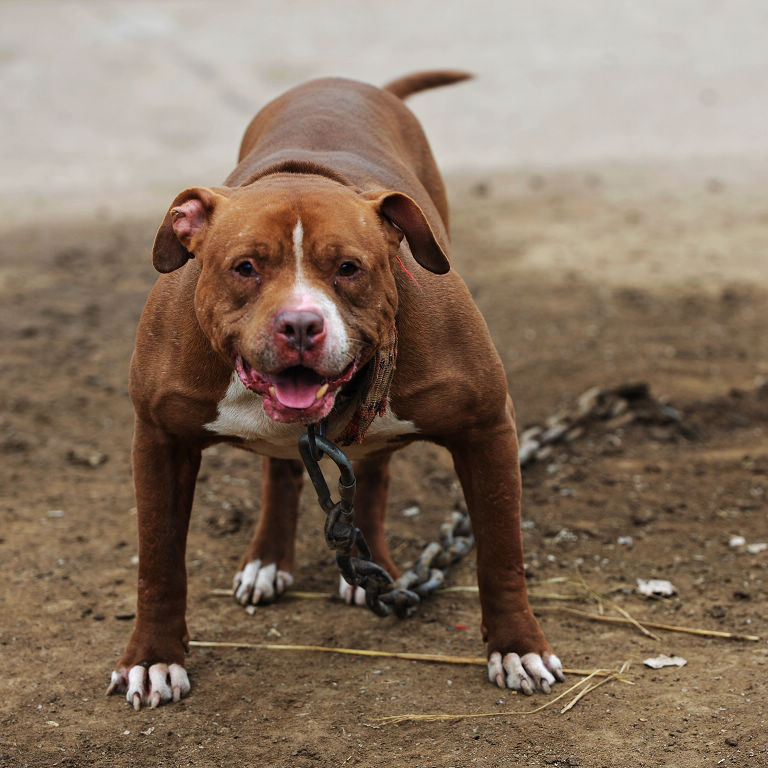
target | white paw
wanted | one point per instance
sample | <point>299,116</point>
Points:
<point>351,595</point>
<point>153,686</point>
<point>260,584</point>
<point>527,674</point>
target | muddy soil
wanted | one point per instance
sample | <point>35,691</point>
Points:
<point>586,279</point>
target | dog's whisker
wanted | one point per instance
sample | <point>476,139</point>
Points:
<point>361,342</point>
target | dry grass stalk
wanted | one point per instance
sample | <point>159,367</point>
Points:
<point>656,625</point>
<point>608,675</point>
<point>432,658</point>
<point>435,658</point>
<point>456,589</point>
<point>625,618</point>
<point>294,593</point>
<point>614,676</point>
<point>533,588</point>
<point>602,601</point>
<point>642,625</point>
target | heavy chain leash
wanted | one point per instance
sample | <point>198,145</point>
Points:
<point>383,595</point>
<point>615,407</point>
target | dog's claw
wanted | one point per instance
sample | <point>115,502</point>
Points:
<point>349,594</point>
<point>555,666</point>
<point>526,674</point>
<point>154,686</point>
<point>517,675</point>
<point>114,684</point>
<point>495,670</point>
<point>259,583</point>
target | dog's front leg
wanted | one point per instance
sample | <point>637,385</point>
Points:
<point>151,670</point>
<point>486,462</point>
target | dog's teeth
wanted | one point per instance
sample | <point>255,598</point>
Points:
<point>273,392</point>
<point>321,392</point>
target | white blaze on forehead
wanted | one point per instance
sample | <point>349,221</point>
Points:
<point>313,296</point>
<point>298,249</point>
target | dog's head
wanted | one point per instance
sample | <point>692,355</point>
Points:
<point>296,285</point>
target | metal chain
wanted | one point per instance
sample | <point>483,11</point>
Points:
<point>428,573</point>
<point>382,595</point>
<point>618,407</point>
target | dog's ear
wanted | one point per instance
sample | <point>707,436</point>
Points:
<point>406,215</point>
<point>183,228</point>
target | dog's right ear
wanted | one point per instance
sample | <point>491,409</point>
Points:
<point>183,228</point>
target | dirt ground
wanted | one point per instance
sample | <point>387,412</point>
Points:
<point>594,278</point>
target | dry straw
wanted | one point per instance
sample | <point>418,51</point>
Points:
<point>584,686</point>
<point>536,593</point>
<point>608,675</point>
<point>432,658</point>
<point>656,625</point>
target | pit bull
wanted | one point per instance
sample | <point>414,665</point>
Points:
<point>315,285</point>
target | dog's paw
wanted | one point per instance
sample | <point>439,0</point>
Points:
<point>260,583</point>
<point>349,594</point>
<point>154,686</point>
<point>528,673</point>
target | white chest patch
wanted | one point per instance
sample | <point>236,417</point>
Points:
<point>388,425</point>
<point>241,414</point>
<point>384,428</point>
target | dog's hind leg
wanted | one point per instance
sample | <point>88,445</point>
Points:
<point>265,569</point>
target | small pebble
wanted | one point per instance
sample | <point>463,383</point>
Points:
<point>655,587</point>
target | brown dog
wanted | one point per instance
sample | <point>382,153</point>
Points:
<point>326,246</point>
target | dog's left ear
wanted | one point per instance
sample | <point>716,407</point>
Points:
<point>184,227</point>
<point>407,216</point>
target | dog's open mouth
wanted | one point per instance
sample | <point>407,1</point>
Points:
<point>295,394</point>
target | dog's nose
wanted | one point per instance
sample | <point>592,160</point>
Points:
<point>301,329</point>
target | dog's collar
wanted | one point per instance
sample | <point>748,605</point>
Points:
<point>372,394</point>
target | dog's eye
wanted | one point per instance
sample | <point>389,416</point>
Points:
<point>347,269</point>
<point>246,269</point>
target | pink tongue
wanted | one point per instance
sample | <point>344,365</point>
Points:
<point>295,390</point>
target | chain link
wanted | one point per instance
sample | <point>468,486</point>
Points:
<point>428,572</point>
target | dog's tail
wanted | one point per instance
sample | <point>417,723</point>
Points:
<point>403,87</point>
